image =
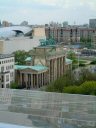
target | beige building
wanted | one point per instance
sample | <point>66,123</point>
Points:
<point>21,42</point>
<point>70,35</point>
<point>63,35</point>
<point>47,64</point>
<point>5,24</point>
<point>94,41</point>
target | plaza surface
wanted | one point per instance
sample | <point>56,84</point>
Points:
<point>39,109</point>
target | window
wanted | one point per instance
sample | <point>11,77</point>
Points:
<point>2,69</point>
<point>2,78</point>
<point>2,86</point>
<point>7,85</point>
<point>11,74</point>
<point>7,78</point>
<point>12,66</point>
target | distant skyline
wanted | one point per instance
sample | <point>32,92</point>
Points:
<point>45,11</point>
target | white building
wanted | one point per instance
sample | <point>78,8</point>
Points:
<point>19,43</point>
<point>6,70</point>
<point>22,42</point>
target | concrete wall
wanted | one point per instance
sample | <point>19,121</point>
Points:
<point>39,32</point>
<point>1,46</point>
<point>15,44</point>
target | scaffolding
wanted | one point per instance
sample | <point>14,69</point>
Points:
<point>47,110</point>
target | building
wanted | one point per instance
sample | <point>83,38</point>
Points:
<point>94,41</point>
<point>21,38</point>
<point>24,23</point>
<point>5,24</point>
<point>86,33</point>
<point>6,70</point>
<point>65,24</point>
<point>11,45</point>
<point>46,65</point>
<point>92,23</point>
<point>63,35</point>
<point>70,35</point>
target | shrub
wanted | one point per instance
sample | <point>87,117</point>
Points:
<point>14,85</point>
<point>87,88</point>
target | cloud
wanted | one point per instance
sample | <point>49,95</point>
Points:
<point>43,11</point>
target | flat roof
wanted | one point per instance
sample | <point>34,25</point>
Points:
<point>35,67</point>
<point>3,56</point>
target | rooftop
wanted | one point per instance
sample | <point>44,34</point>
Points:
<point>28,59</point>
<point>3,56</point>
<point>35,67</point>
<point>7,32</point>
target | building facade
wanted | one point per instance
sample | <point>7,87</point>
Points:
<point>5,24</point>
<point>63,35</point>
<point>94,41</point>
<point>10,45</point>
<point>6,70</point>
<point>70,35</point>
<point>92,23</point>
<point>49,63</point>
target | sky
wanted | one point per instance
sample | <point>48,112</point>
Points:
<point>45,11</point>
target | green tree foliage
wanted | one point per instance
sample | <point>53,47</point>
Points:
<point>20,57</point>
<point>14,85</point>
<point>93,62</point>
<point>69,84</point>
<point>71,55</point>
<point>60,83</point>
<point>87,88</point>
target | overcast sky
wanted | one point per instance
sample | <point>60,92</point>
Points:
<point>44,11</point>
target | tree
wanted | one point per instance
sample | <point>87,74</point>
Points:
<point>69,83</point>
<point>71,55</point>
<point>20,57</point>
<point>87,88</point>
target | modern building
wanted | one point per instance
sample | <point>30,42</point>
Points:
<point>20,38</point>
<point>6,70</point>
<point>92,23</point>
<point>14,31</point>
<point>47,64</point>
<point>11,45</point>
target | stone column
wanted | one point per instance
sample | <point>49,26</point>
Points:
<point>62,66</point>
<point>59,67</point>
<point>41,79</point>
<point>20,78</point>
<point>37,82</point>
<point>31,80</point>
<point>26,79</point>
